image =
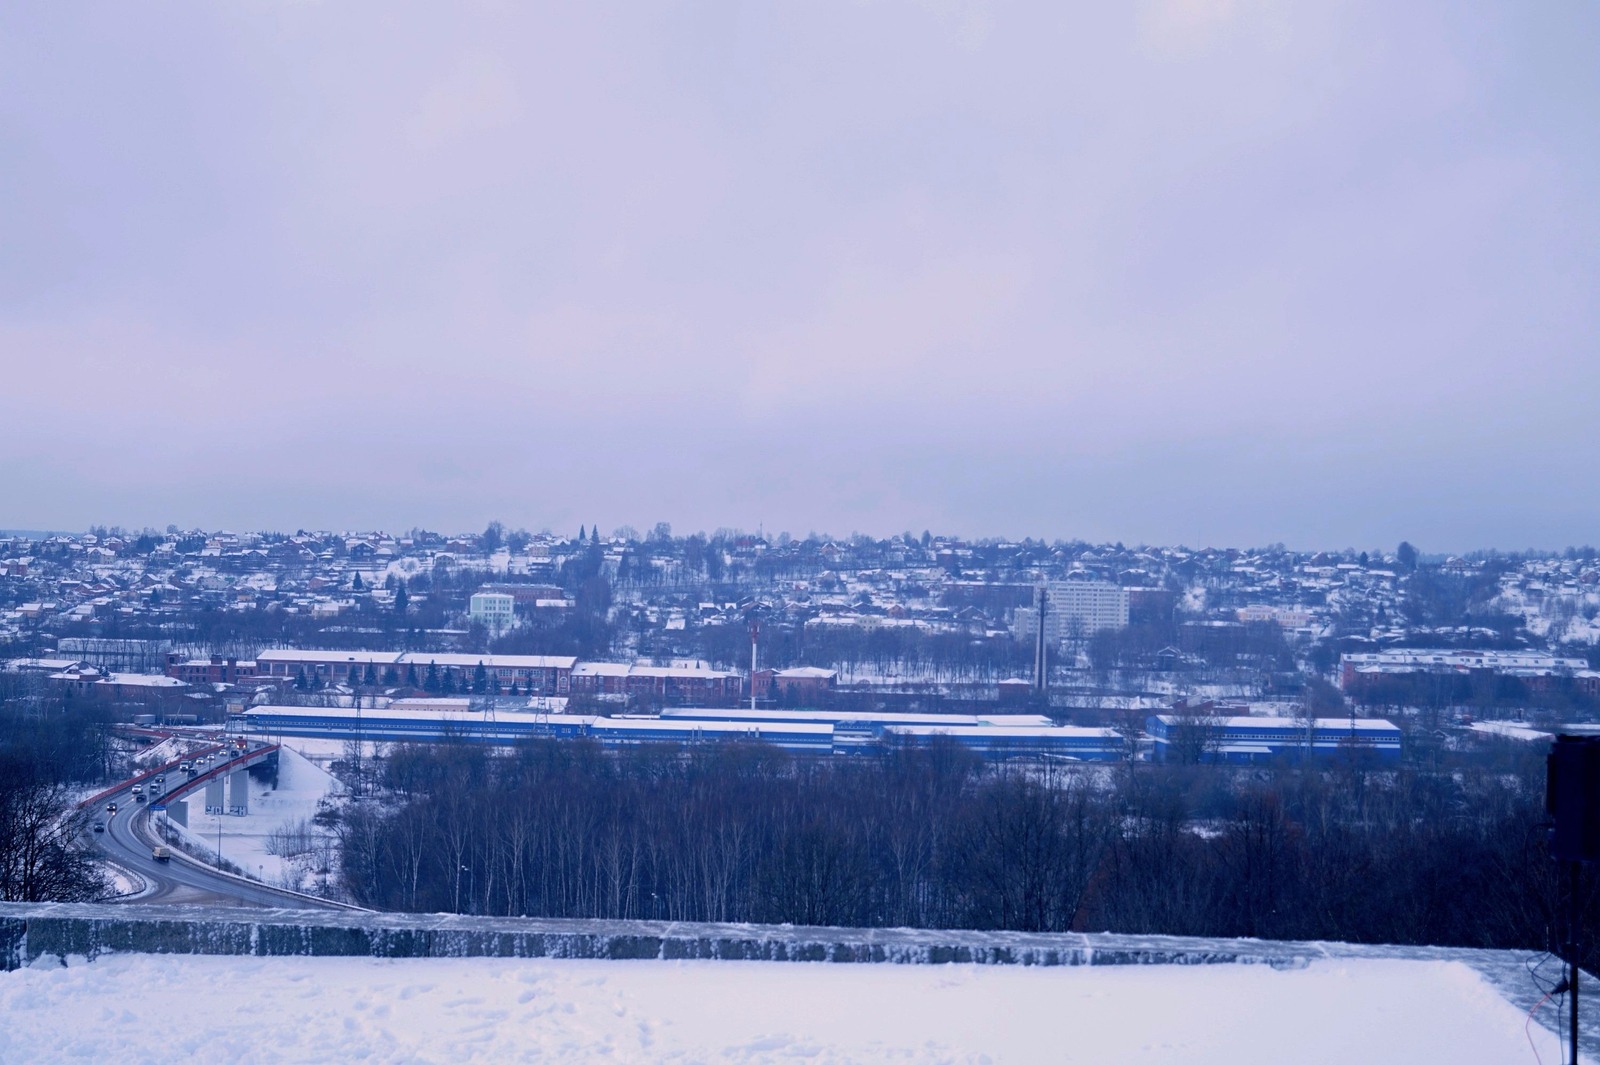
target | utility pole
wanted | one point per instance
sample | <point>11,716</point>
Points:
<point>1572,798</point>
<point>356,782</point>
<point>1572,956</point>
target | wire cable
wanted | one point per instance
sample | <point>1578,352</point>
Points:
<point>1556,988</point>
<point>1526,1028</point>
<point>1533,965</point>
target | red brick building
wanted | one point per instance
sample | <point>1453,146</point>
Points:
<point>213,670</point>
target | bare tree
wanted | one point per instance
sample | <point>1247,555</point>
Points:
<point>1194,733</point>
<point>41,858</point>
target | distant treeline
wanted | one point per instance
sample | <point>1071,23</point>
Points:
<point>925,836</point>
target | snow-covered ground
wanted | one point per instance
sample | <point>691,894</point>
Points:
<point>247,841</point>
<point>1559,614</point>
<point>168,750</point>
<point>1511,731</point>
<point>139,1008</point>
<point>323,752</point>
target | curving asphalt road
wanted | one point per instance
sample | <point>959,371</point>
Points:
<point>128,840</point>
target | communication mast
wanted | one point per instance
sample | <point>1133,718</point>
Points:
<point>1041,660</point>
<point>755,632</point>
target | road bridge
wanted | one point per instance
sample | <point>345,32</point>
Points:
<point>129,839</point>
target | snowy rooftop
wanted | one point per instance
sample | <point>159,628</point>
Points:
<point>1031,720</point>
<point>419,659</point>
<point>143,680</point>
<point>328,657</point>
<point>1005,731</point>
<point>446,704</point>
<point>1322,724</point>
<point>459,661</point>
<point>601,669</point>
<point>654,724</point>
<point>1460,659</point>
<point>52,665</point>
<point>836,716</point>
<point>682,672</point>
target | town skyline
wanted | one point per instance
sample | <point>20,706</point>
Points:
<point>647,531</point>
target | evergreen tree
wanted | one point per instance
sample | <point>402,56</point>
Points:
<point>431,682</point>
<point>371,677</point>
<point>581,537</point>
<point>401,599</point>
<point>358,584</point>
<point>411,675</point>
<point>480,680</point>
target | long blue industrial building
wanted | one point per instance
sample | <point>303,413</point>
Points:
<point>817,732</point>
<point>1180,737</point>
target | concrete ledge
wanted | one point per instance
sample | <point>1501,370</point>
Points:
<point>29,932</point>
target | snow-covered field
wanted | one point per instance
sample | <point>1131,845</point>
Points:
<point>323,752</point>
<point>238,1009</point>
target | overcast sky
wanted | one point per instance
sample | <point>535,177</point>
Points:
<point>1180,271</point>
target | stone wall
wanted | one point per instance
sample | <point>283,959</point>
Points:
<point>31,932</point>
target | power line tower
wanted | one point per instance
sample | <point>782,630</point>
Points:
<point>1041,648</point>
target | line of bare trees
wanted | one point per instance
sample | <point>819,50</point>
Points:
<point>928,837</point>
<point>920,837</point>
